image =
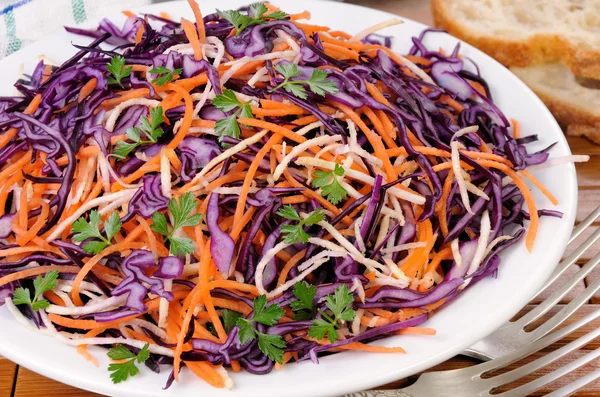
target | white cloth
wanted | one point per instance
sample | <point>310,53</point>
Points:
<point>25,21</point>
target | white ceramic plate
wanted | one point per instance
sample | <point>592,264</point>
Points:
<point>478,312</point>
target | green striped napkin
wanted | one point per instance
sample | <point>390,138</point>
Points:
<point>25,21</point>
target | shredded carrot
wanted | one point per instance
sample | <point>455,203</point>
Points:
<point>370,348</point>
<point>416,331</point>
<point>206,371</point>
<point>199,21</point>
<point>192,35</point>
<point>540,186</point>
<point>516,128</point>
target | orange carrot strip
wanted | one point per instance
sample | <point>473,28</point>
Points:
<point>36,270</point>
<point>372,349</point>
<point>206,372</point>
<point>534,221</point>
<point>375,140</point>
<point>125,245</point>
<point>289,265</point>
<point>187,117</point>
<point>416,331</point>
<point>131,94</point>
<point>516,128</point>
<point>444,202</point>
<point>239,226</point>
<point>192,35</point>
<point>16,166</point>
<point>199,20</point>
<point>444,254</point>
<point>87,89</point>
<point>540,186</point>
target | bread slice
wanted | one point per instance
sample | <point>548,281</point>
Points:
<point>575,105</point>
<point>528,32</point>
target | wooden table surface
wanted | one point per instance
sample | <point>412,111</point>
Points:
<point>20,382</point>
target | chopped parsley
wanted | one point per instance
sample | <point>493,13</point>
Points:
<point>330,185</point>
<point>117,69</point>
<point>22,296</point>
<point>164,75</point>
<point>270,345</point>
<point>256,16</point>
<point>181,210</point>
<point>295,233</point>
<point>127,367</point>
<point>227,102</point>
<point>146,133</point>
<point>317,82</point>
<point>91,231</point>
<point>303,307</point>
<point>340,306</point>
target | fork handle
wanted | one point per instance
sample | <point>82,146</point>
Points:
<point>378,393</point>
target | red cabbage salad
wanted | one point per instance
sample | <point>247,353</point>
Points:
<point>244,189</point>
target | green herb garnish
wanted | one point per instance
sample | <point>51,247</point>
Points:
<point>317,83</point>
<point>339,305</point>
<point>122,371</point>
<point>295,233</point>
<point>271,345</point>
<point>91,230</point>
<point>330,185</point>
<point>227,102</point>
<point>256,17</point>
<point>182,216</point>
<point>146,133</point>
<point>117,68</point>
<point>164,75</point>
<point>230,318</point>
<point>22,296</point>
<point>303,307</point>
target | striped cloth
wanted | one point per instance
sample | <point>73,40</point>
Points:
<point>24,21</point>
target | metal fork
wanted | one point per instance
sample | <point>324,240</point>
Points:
<point>512,336</point>
<point>511,343</point>
<point>469,382</point>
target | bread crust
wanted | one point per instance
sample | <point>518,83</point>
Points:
<point>578,121</point>
<point>533,50</point>
<point>590,132</point>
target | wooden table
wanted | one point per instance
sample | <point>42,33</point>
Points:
<point>19,382</point>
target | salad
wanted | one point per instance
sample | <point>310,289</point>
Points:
<point>244,190</point>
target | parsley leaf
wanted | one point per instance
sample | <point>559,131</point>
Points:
<point>164,75</point>
<point>258,9</point>
<point>230,317</point>
<point>303,307</point>
<point>228,101</point>
<point>181,211</point>
<point>295,233</point>
<point>317,82</point>
<point>256,16</point>
<point>123,149</point>
<point>117,68</point>
<point>320,328</point>
<point>91,230</point>
<point>228,127</point>
<point>22,296</point>
<point>270,345</point>
<point>149,127</point>
<point>123,370</point>
<point>340,305</point>
<point>278,15</point>
<point>330,185</point>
